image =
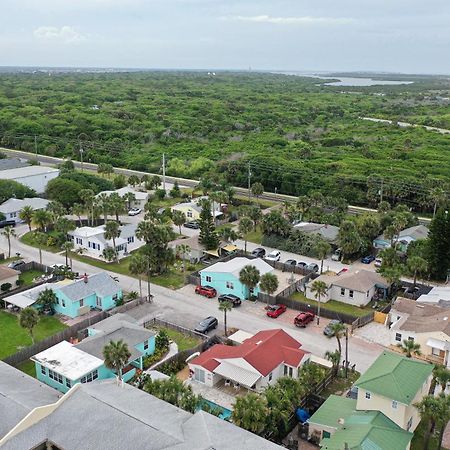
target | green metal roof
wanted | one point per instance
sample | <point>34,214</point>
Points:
<point>396,377</point>
<point>333,409</point>
<point>368,430</point>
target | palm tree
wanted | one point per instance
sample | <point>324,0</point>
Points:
<point>117,205</point>
<point>56,211</point>
<point>349,239</point>
<point>78,210</point>
<point>441,376</point>
<point>26,214</point>
<point>133,180</point>
<point>112,231</point>
<point>183,250</point>
<point>28,319</point>
<point>409,348</point>
<point>338,330</point>
<point>255,214</point>
<point>268,284</point>
<point>64,225</point>
<point>227,234</point>
<point>334,358</point>
<point>102,201</point>
<point>320,288</point>
<point>443,415</point>
<point>303,204</point>
<point>40,239</point>
<point>322,249</point>
<point>109,254</point>
<point>250,412</point>
<point>225,307</point>
<point>67,247</point>
<point>249,276</point>
<point>416,265</point>
<point>42,218</point>
<point>87,196</point>
<point>428,408</point>
<point>178,219</point>
<point>47,299</point>
<point>9,232</point>
<point>438,196</point>
<point>138,266</point>
<point>245,226</point>
<point>116,355</point>
<point>257,190</point>
<point>129,199</point>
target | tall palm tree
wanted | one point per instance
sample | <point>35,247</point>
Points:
<point>112,231</point>
<point>322,248</point>
<point>320,289</point>
<point>133,180</point>
<point>116,355</point>
<point>442,376</point>
<point>117,205</point>
<point>129,199</point>
<point>87,196</point>
<point>409,348</point>
<point>42,218</point>
<point>245,226</point>
<point>249,276</point>
<point>255,214</point>
<point>138,266</point>
<point>417,265</point>
<point>250,412</point>
<point>227,234</point>
<point>9,232</point>
<point>78,210</point>
<point>56,211</point>
<point>268,284</point>
<point>428,408</point>
<point>334,358</point>
<point>102,201</point>
<point>40,239</point>
<point>438,196</point>
<point>26,214</point>
<point>28,319</point>
<point>443,415</point>
<point>47,299</point>
<point>338,330</point>
<point>178,219</point>
<point>225,307</point>
<point>67,247</point>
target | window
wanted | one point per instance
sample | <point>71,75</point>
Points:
<point>410,338</point>
<point>189,214</point>
<point>63,303</point>
<point>208,279</point>
<point>394,404</point>
<point>288,371</point>
<point>115,297</point>
<point>368,395</point>
<point>98,301</point>
<point>146,345</point>
<point>350,293</point>
<point>435,351</point>
<point>43,370</point>
<point>230,285</point>
<point>398,337</point>
<point>342,291</point>
<point>90,377</point>
<point>130,239</point>
<point>68,383</point>
<point>409,424</point>
<point>199,375</point>
<point>81,303</point>
<point>55,376</point>
<point>79,241</point>
<point>270,376</point>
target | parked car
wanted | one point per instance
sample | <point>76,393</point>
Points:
<point>290,262</point>
<point>275,311</point>
<point>313,267</point>
<point>206,325</point>
<point>274,255</point>
<point>336,256</point>
<point>233,299</point>
<point>301,264</point>
<point>259,252</point>
<point>206,291</point>
<point>378,262</point>
<point>328,330</point>
<point>16,264</point>
<point>134,211</point>
<point>193,224</point>
<point>303,319</point>
<point>368,259</point>
<point>7,223</point>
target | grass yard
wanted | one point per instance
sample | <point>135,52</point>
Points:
<point>333,305</point>
<point>13,337</point>
<point>28,367</point>
<point>28,239</point>
<point>340,385</point>
<point>121,267</point>
<point>264,204</point>
<point>255,236</point>
<point>419,439</point>
<point>183,341</point>
<point>28,276</point>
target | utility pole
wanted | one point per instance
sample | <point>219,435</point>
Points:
<point>381,190</point>
<point>164,170</point>
<point>35,146</point>
<point>249,176</point>
<point>346,352</point>
<point>81,156</point>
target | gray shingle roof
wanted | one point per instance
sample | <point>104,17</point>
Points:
<point>12,163</point>
<point>15,204</point>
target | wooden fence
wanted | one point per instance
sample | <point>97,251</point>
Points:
<point>155,322</point>
<point>34,265</point>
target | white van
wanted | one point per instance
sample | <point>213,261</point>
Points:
<point>336,256</point>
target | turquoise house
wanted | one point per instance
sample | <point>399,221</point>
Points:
<point>66,364</point>
<point>224,276</point>
<point>405,237</point>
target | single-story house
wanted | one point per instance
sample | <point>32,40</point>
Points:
<point>34,177</point>
<point>426,324</point>
<point>224,276</point>
<point>255,364</point>
<point>66,364</point>
<point>141,197</point>
<point>196,250</point>
<point>12,207</point>
<point>8,276</point>
<point>355,288</point>
<point>404,238</point>
<point>193,209</point>
<point>92,240</point>
<point>75,297</point>
<point>328,232</point>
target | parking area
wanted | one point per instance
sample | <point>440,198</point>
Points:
<point>375,332</point>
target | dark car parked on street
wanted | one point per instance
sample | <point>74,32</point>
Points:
<point>368,259</point>
<point>233,299</point>
<point>290,262</point>
<point>194,225</point>
<point>206,325</point>
<point>328,330</point>
<point>259,252</point>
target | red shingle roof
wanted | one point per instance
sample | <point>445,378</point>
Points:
<point>265,351</point>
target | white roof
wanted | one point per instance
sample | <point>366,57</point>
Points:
<point>235,265</point>
<point>437,343</point>
<point>238,370</point>
<point>122,191</point>
<point>16,204</point>
<point>88,231</point>
<point>29,297</point>
<point>240,336</point>
<point>436,294</point>
<point>68,360</point>
<point>28,171</point>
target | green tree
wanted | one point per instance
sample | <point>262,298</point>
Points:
<point>245,226</point>
<point>40,240</point>
<point>103,202</point>
<point>428,409</point>
<point>129,198</point>
<point>322,249</point>
<point>268,284</point>
<point>310,375</point>
<point>47,299</point>
<point>56,210</point>
<point>64,191</point>
<point>439,245</point>
<point>416,265</point>
<point>227,234</point>
<point>208,236</point>
<point>250,412</point>
<point>320,290</point>
<point>257,190</point>
<point>409,348</point>
<point>78,210</point>
<point>112,231</point>
<point>117,205</point>
<point>335,359</point>
<point>28,319</point>
<point>138,267</point>
<point>183,251</point>
<point>442,376</point>
<point>279,410</point>
<point>275,223</point>
<point>133,180</point>
<point>42,218</point>
<point>13,189</point>
<point>9,232</point>
<point>175,192</point>
<point>443,415</point>
<point>87,196</point>
<point>109,254</point>
<point>348,238</point>
<point>178,219</point>
<point>26,214</point>
<point>225,307</point>
<point>116,355</point>
<point>255,214</point>
<point>338,330</point>
<point>119,181</point>
<point>249,276</point>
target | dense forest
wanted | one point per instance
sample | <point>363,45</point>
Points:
<point>294,133</point>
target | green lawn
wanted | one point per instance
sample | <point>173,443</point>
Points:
<point>28,367</point>
<point>183,341</point>
<point>418,439</point>
<point>27,239</point>
<point>121,267</point>
<point>28,277</point>
<point>13,337</point>
<point>333,305</point>
<point>340,384</point>
<point>263,203</point>
<point>255,236</point>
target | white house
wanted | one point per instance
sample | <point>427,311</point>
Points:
<point>355,288</point>
<point>193,209</point>
<point>34,177</point>
<point>141,197</point>
<point>92,240</point>
<point>13,206</point>
<point>255,364</point>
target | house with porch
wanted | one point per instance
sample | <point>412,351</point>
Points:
<point>193,209</point>
<point>74,297</point>
<point>355,288</point>
<point>92,241</point>
<point>255,364</point>
<point>404,238</point>
<point>66,364</point>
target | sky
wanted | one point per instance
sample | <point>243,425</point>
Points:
<point>408,36</point>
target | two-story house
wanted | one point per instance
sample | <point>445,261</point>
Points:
<point>66,364</point>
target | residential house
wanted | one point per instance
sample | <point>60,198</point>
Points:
<point>12,207</point>
<point>141,197</point>
<point>92,240</point>
<point>404,238</point>
<point>34,177</point>
<point>355,288</point>
<point>196,250</point>
<point>65,364</point>
<point>438,295</point>
<point>105,416</point>
<point>74,297</point>
<point>193,209</point>
<point>224,276</point>
<point>255,364</point>
<point>8,276</point>
<point>328,232</point>
<point>426,324</point>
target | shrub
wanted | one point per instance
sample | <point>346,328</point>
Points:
<point>160,194</point>
<point>162,340</point>
<point>5,287</point>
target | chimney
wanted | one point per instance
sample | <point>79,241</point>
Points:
<point>85,278</point>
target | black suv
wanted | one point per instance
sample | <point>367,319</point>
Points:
<point>234,299</point>
<point>206,325</point>
<point>259,252</point>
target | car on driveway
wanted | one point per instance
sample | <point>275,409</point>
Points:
<point>206,291</point>
<point>16,264</point>
<point>275,311</point>
<point>378,262</point>
<point>134,211</point>
<point>302,264</point>
<point>274,255</point>
<point>328,330</point>
<point>259,252</point>
<point>303,319</point>
<point>368,259</point>
<point>193,225</point>
<point>313,267</point>
<point>206,325</point>
<point>290,262</point>
<point>233,299</point>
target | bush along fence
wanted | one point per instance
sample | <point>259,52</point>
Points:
<point>163,323</point>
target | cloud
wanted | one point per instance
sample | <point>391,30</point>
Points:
<point>66,34</point>
<point>296,20</point>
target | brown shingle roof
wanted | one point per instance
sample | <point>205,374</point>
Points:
<point>438,322</point>
<point>415,308</point>
<point>6,272</point>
